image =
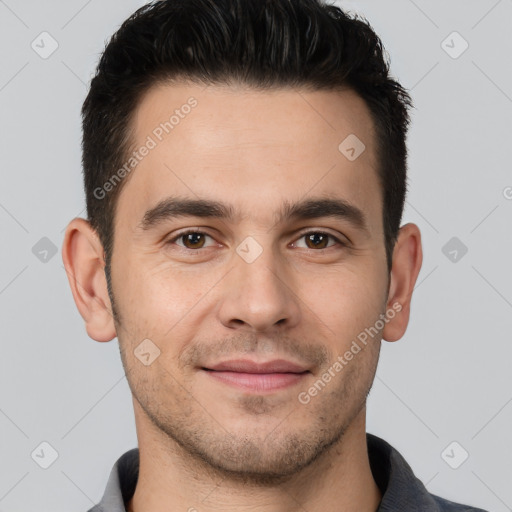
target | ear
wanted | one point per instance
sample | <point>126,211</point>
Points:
<point>83,257</point>
<point>406,265</point>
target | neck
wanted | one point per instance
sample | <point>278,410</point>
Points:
<point>169,479</point>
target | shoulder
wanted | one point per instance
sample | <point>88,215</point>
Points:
<point>401,489</point>
<point>449,506</point>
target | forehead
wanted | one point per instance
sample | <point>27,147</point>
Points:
<point>239,145</point>
<point>237,115</point>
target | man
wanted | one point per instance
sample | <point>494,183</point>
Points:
<point>245,176</point>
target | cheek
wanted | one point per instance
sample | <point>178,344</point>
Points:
<point>161,302</point>
<point>347,301</point>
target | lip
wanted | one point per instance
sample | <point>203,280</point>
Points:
<point>257,377</point>
<point>248,366</point>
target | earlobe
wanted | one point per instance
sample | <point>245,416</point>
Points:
<point>407,260</point>
<point>82,254</point>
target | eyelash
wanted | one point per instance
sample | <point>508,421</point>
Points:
<point>302,235</point>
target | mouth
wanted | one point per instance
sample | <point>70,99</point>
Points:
<point>257,377</point>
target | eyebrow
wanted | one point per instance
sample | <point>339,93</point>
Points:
<point>313,208</point>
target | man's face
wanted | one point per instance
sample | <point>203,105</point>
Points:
<point>259,285</point>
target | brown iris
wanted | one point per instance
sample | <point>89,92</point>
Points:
<point>318,240</point>
<point>193,240</point>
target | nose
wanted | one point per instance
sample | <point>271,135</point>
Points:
<point>259,296</point>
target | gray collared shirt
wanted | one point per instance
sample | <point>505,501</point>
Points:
<point>401,490</point>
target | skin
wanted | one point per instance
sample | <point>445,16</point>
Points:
<point>205,445</point>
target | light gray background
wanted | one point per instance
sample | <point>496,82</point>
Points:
<point>449,379</point>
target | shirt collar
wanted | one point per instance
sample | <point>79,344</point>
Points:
<point>401,490</point>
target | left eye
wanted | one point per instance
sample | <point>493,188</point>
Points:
<point>318,240</point>
<point>313,240</point>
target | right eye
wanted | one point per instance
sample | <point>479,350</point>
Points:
<point>191,239</point>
